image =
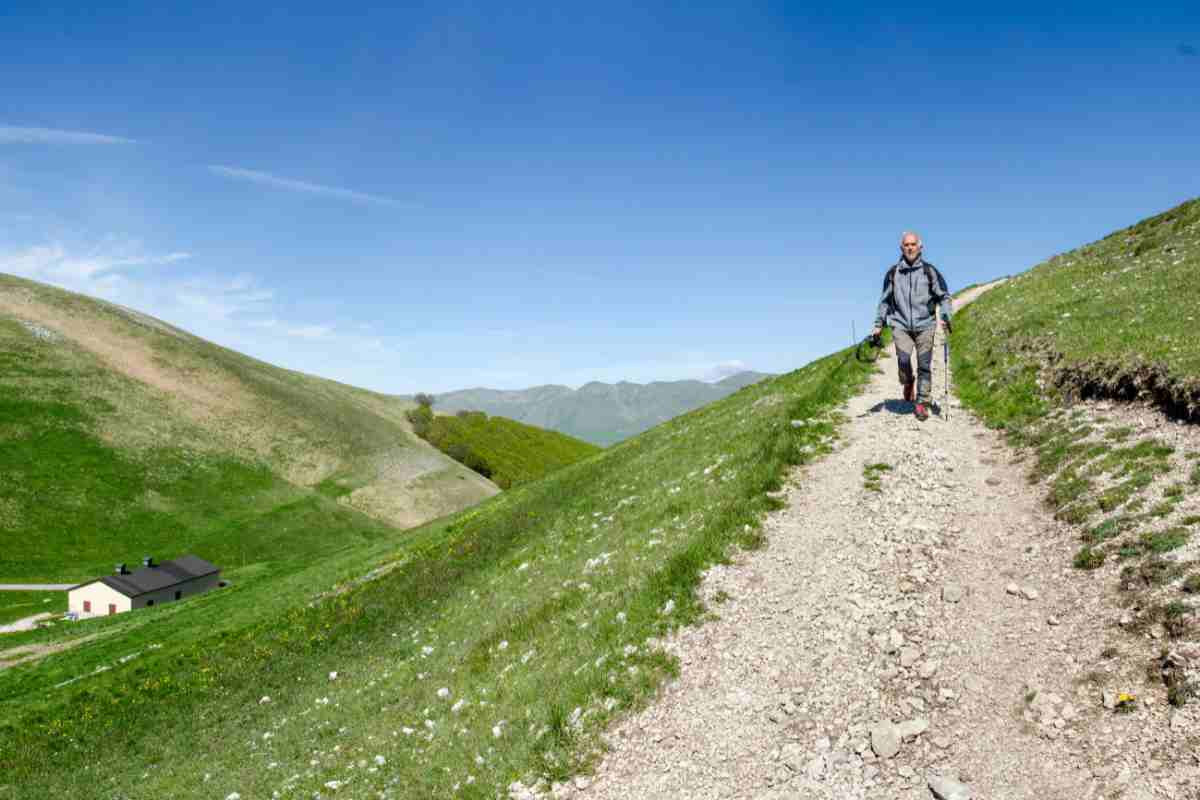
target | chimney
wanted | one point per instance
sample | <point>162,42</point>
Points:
<point>148,561</point>
<point>120,569</point>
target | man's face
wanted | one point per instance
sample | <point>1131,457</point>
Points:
<point>910,246</point>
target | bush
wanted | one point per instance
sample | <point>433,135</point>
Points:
<point>421,418</point>
<point>1089,558</point>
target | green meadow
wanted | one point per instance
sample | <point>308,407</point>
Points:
<point>485,647</point>
<point>507,452</point>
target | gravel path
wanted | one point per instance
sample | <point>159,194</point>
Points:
<point>35,587</point>
<point>25,624</point>
<point>886,644</point>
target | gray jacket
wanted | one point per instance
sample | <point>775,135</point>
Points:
<point>910,292</point>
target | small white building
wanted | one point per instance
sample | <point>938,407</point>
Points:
<point>153,584</point>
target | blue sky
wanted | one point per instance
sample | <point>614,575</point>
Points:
<point>444,195</point>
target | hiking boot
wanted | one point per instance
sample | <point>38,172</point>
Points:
<point>908,392</point>
<point>921,412</point>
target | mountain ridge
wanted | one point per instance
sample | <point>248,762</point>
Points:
<point>597,412</point>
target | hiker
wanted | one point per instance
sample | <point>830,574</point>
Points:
<point>911,289</point>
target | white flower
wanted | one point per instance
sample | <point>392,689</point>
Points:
<point>524,566</point>
<point>621,617</point>
<point>333,676</point>
<point>407,731</point>
<point>504,645</point>
<point>380,761</point>
<point>668,608</point>
<point>334,785</point>
<point>443,692</point>
<point>498,729</point>
<point>264,700</point>
<point>234,796</point>
<point>458,705</point>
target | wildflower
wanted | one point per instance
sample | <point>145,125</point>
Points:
<point>333,676</point>
<point>264,700</point>
<point>498,729</point>
<point>443,692</point>
<point>380,761</point>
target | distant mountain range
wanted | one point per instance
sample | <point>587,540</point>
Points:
<point>602,413</point>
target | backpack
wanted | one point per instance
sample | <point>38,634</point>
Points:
<point>934,286</point>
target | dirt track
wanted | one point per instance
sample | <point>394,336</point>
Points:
<point>933,629</point>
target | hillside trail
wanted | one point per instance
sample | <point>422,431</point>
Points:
<point>885,638</point>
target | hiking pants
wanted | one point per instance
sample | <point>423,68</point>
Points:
<point>922,341</point>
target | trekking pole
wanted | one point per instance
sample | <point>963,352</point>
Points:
<point>946,374</point>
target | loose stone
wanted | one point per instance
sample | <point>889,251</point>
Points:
<point>948,789</point>
<point>885,740</point>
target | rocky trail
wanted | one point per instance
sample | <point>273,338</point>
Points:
<point>916,634</point>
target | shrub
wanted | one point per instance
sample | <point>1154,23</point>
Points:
<point>1089,558</point>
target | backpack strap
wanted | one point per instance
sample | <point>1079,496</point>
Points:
<point>935,281</point>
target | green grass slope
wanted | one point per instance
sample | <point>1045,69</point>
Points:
<point>121,436</point>
<point>1114,319</point>
<point>1117,317</point>
<point>479,649</point>
<point>507,452</point>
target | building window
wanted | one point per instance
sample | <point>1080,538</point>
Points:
<point>112,608</point>
<point>178,595</point>
<point>149,603</point>
<point>87,606</point>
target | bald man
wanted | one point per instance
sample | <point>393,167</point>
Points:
<point>911,290</point>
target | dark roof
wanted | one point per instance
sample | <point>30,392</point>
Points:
<point>159,577</point>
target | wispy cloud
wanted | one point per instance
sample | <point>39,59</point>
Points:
<point>12,134</point>
<point>276,182</point>
<point>226,308</point>
<point>53,263</point>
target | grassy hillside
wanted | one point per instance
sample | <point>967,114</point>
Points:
<point>1114,319</point>
<point>503,450</point>
<point>18,605</point>
<point>121,436</point>
<point>474,651</point>
<point>601,413</point>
